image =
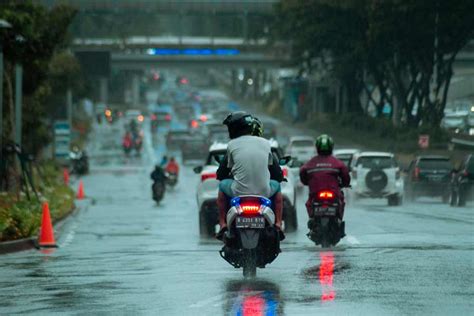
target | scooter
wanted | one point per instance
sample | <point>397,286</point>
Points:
<point>325,227</point>
<point>251,240</point>
<point>158,190</point>
<point>79,162</point>
<point>171,179</point>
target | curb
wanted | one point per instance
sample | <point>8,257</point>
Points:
<point>31,242</point>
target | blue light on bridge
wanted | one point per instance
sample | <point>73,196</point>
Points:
<point>193,51</point>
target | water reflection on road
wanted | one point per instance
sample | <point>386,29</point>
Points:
<point>253,298</point>
<point>326,274</point>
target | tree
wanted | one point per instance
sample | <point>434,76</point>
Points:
<point>45,33</point>
<point>402,49</point>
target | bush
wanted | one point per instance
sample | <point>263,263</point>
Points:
<point>21,218</point>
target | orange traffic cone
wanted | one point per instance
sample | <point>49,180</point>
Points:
<point>46,238</point>
<point>66,176</point>
<point>80,191</point>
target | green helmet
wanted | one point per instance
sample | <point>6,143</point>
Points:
<point>324,144</point>
<point>257,128</point>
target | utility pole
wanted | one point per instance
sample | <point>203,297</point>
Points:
<point>3,25</point>
<point>69,107</point>
<point>18,102</point>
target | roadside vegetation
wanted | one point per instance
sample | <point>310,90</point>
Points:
<point>38,40</point>
<point>20,215</point>
<point>388,59</point>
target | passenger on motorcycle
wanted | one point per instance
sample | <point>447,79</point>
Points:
<point>325,172</point>
<point>172,167</point>
<point>247,167</point>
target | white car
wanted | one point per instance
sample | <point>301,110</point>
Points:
<point>301,148</point>
<point>208,188</point>
<point>377,175</point>
<point>345,155</point>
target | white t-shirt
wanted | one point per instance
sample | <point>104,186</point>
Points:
<point>249,157</point>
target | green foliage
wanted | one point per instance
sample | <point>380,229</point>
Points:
<point>46,68</point>
<point>403,48</point>
<point>22,218</point>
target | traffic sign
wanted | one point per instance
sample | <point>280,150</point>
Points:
<point>424,141</point>
<point>62,139</point>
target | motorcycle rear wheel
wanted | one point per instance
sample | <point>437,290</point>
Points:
<point>250,263</point>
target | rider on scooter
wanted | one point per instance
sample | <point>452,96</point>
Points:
<point>325,172</point>
<point>172,167</point>
<point>248,159</point>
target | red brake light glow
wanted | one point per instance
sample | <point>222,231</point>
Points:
<point>153,117</point>
<point>250,209</point>
<point>326,195</point>
<point>285,172</point>
<point>206,176</point>
<point>194,124</point>
<point>203,118</point>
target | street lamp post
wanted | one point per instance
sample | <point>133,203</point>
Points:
<point>3,25</point>
<point>18,96</point>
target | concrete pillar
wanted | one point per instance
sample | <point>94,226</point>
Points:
<point>104,90</point>
<point>135,90</point>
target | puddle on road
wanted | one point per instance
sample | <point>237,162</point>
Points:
<point>253,297</point>
<point>324,272</point>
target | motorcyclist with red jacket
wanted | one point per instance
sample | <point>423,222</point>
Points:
<point>325,172</point>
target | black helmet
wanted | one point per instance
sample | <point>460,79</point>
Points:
<point>239,123</point>
<point>257,129</point>
<point>324,145</point>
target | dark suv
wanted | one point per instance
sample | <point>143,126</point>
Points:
<point>462,183</point>
<point>428,176</point>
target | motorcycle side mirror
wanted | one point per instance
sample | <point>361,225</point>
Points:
<point>284,160</point>
<point>197,169</point>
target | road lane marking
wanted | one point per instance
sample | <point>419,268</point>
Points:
<point>352,240</point>
<point>208,301</point>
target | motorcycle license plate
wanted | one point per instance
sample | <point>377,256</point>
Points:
<point>250,222</point>
<point>325,210</point>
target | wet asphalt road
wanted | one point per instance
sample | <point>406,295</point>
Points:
<point>124,255</point>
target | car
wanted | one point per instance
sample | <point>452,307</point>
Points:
<point>132,114</point>
<point>428,176</point>
<point>455,122</point>
<point>269,129</point>
<point>207,190</point>
<point>377,175</point>
<point>462,183</point>
<point>216,132</point>
<point>194,147</point>
<point>175,138</point>
<point>345,155</point>
<point>301,148</point>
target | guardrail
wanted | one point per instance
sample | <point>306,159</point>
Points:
<point>462,142</point>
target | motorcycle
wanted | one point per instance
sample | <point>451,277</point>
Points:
<point>158,191</point>
<point>251,240</point>
<point>326,229</point>
<point>171,179</point>
<point>79,162</point>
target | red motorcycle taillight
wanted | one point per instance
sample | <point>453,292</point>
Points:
<point>285,172</point>
<point>168,117</point>
<point>250,209</point>
<point>326,195</point>
<point>206,176</point>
